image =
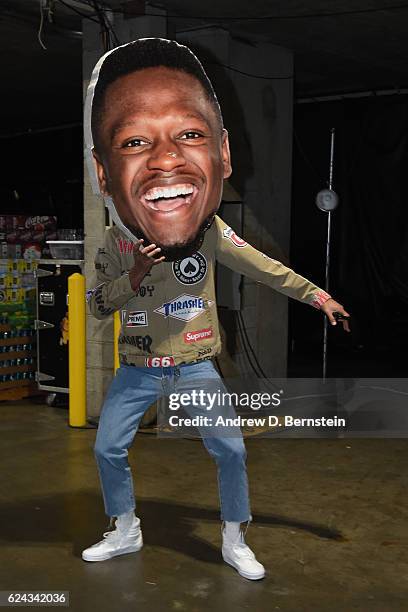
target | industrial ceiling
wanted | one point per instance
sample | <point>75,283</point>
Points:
<point>339,46</point>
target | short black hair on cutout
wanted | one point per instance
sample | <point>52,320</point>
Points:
<point>147,53</point>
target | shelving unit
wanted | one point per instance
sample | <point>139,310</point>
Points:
<point>18,386</point>
<point>17,335</point>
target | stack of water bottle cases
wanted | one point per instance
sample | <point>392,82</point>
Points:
<point>17,332</point>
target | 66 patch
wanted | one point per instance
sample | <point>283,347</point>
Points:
<point>231,235</point>
<point>159,362</point>
<point>190,270</point>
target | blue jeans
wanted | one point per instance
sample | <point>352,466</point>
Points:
<point>132,391</point>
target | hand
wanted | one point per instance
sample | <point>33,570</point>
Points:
<point>331,306</point>
<point>145,258</point>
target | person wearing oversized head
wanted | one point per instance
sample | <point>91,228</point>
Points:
<point>158,153</point>
<point>159,144</point>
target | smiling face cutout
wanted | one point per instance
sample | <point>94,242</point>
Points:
<point>162,156</point>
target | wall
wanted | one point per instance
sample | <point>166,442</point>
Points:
<point>258,115</point>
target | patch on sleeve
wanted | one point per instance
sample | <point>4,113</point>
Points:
<point>103,266</point>
<point>319,298</point>
<point>125,246</point>
<point>90,292</point>
<point>229,233</point>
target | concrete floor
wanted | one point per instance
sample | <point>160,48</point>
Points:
<point>330,522</point>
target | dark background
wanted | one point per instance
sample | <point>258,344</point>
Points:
<point>369,264</point>
<point>43,175</point>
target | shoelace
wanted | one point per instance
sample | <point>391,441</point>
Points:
<point>242,549</point>
<point>113,535</point>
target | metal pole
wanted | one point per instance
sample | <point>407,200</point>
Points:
<point>77,350</point>
<point>327,271</point>
<point>116,332</point>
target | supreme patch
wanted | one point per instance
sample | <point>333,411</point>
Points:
<point>195,336</point>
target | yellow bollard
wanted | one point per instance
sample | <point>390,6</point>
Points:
<point>77,350</point>
<point>116,332</point>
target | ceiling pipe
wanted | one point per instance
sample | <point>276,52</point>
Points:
<point>358,94</point>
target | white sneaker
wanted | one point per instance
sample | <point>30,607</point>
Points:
<point>236,553</point>
<point>117,542</point>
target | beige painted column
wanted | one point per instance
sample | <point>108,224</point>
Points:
<point>258,114</point>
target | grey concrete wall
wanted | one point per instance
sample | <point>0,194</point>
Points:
<point>267,111</point>
<point>258,116</point>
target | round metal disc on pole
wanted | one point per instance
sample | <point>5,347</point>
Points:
<point>327,200</point>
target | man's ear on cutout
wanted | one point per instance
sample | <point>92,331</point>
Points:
<point>102,176</point>
<point>226,155</point>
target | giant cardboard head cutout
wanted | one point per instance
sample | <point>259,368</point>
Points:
<point>156,147</point>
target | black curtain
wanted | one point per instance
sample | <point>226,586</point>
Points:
<point>369,268</point>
